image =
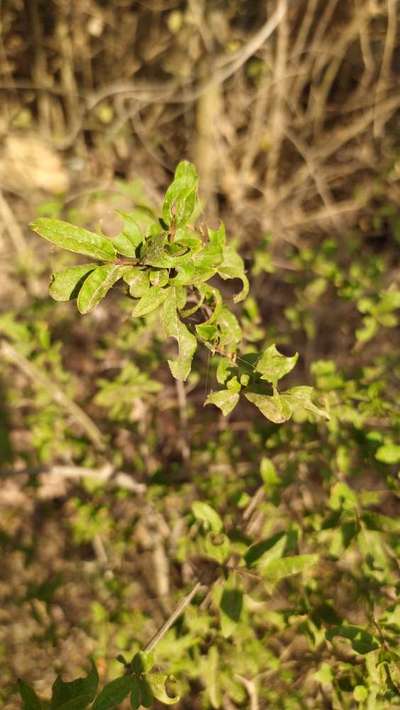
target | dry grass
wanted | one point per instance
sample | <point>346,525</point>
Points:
<point>289,109</point>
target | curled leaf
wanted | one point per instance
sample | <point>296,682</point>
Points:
<point>226,400</point>
<point>187,343</point>
<point>164,688</point>
<point>272,365</point>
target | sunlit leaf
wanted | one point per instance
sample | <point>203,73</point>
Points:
<point>164,688</point>
<point>187,343</point>
<point>138,281</point>
<point>73,238</point>
<point>206,514</point>
<point>232,267</point>
<point>388,453</point>
<point>226,400</point>
<point>66,284</point>
<point>272,365</point>
<point>150,301</point>
<point>287,566</point>
<point>97,285</point>
<point>181,196</point>
<point>131,236</point>
<point>263,552</point>
<point>211,677</point>
<point>274,408</point>
<point>300,398</point>
<point>142,662</point>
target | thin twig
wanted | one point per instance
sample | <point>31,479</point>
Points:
<point>173,617</point>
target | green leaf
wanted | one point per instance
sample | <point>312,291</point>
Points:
<point>342,497</point>
<point>273,365</point>
<point>360,693</point>
<point>226,400</point>
<point>388,453</point>
<point>299,398</point>
<point>274,408</point>
<point>97,285</point>
<point>131,236</point>
<point>138,281</point>
<point>232,267</point>
<point>223,370</point>
<point>154,253</point>
<point>114,693</point>
<point>287,566</point>
<point>216,546</point>
<point>268,473</point>
<point>267,550</point>
<point>150,301</point>
<point>142,662</point>
<point>230,332</point>
<point>159,277</point>
<point>181,196</point>
<point>362,641</point>
<point>206,514</point>
<point>211,676</point>
<point>136,695</point>
<point>164,688</point>
<point>124,246</point>
<point>146,695</point>
<point>174,328</point>
<point>73,238</point>
<point>66,284</point>
<point>76,694</point>
<point>231,606</point>
<point>30,700</point>
<point>211,294</point>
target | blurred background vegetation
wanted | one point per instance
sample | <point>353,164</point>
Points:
<point>290,111</point>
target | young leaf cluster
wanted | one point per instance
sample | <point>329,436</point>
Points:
<point>173,270</point>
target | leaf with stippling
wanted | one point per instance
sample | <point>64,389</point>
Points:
<point>272,365</point>
<point>73,238</point>
<point>273,407</point>
<point>226,400</point>
<point>138,281</point>
<point>154,253</point>
<point>300,398</point>
<point>130,238</point>
<point>150,301</point>
<point>281,406</point>
<point>97,285</point>
<point>232,267</point>
<point>66,284</point>
<point>181,197</point>
<point>174,328</point>
<point>229,330</point>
